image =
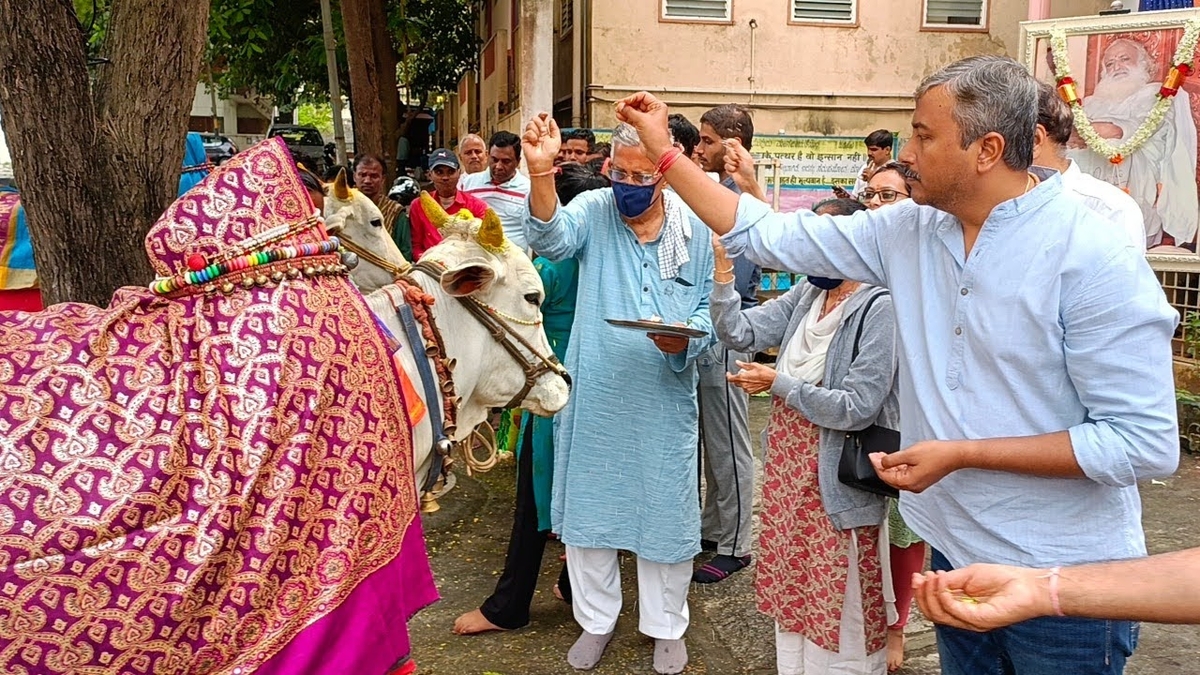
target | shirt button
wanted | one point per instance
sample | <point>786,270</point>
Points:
<point>645,289</point>
<point>964,291</point>
<point>645,265</point>
<point>958,330</point>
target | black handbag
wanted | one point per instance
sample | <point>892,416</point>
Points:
<point>855,468</point>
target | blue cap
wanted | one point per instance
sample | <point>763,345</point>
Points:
<point>442,157</point>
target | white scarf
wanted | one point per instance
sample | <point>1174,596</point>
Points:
<point>804,356</point>
<point>676,233</point>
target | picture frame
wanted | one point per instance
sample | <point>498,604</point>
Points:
<point>1118,64</point>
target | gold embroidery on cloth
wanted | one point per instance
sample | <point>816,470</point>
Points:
<point>199,498</point>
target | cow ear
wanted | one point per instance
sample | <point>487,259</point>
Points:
<point>468,278</point>
<point>336,221</point>
<point>340,188</point>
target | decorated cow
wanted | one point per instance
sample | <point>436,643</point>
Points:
<point>477,299</point>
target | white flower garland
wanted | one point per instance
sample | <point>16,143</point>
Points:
<point>1184,54</point>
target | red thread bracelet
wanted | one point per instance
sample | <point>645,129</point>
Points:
<point>551,172</point>
<point>668,160</point>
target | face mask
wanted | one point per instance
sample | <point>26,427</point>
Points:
<point>633,200</point>
<point>824,283</point>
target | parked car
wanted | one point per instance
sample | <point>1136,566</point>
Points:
<point>306,144</point>
<point>218,148</point>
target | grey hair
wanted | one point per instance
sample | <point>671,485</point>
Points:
<point>471,137</point>
<point>991,94</point>
<point>627,135</point>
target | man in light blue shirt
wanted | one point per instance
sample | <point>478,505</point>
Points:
<point>1036,379</point>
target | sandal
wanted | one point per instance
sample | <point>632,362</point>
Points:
<point>719,568</point>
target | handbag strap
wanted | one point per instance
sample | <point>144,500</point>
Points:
<point>866,308</point>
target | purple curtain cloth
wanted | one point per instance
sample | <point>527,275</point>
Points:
<point>216,479</point>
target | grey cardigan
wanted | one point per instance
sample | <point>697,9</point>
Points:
<point>857,394</point>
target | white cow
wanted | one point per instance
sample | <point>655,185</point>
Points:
<point>473,264</point>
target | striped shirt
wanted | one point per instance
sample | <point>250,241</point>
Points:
<point>506,199</point>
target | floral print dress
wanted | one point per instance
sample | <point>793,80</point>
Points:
<point>804,560</point>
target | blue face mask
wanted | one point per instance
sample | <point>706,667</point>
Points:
<point>633,200</point>
<point>824,283</point>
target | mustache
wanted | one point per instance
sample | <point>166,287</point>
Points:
<point>908,172</point>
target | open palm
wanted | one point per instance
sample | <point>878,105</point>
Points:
<point>981,597</point>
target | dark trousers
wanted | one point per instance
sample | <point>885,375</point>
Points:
<point>508,605</point>
<point>1047,646</point>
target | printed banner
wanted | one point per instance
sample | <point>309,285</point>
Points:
<point>809,167</point>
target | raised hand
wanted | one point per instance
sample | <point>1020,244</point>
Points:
<point>648,115</point>
<point>739,164</point>
<point>540,143</point>
<point>983,597</point>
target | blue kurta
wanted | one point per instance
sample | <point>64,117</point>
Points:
<point>625,445</point>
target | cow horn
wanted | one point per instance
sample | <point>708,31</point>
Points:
<point>340,190</point>
<point>491,232</point>
<point>434,211</point>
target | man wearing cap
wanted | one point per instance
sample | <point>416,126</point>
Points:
<point>445,171</point>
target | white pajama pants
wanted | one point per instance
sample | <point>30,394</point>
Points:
<point>596,593</point>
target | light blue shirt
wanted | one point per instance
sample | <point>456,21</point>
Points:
<point>1053,323</point>
<point>625,465</point>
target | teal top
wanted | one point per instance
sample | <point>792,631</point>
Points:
<point>561,281</point>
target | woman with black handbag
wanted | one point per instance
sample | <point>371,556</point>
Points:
<point>906,555</point>
<point>822,570</point>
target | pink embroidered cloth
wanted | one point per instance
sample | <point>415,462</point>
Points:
<point>209,483</point>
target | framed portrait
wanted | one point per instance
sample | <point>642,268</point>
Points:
<point>1121,70</point>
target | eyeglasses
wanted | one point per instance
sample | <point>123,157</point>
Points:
<point>635,178</point>
<point>886,196</point>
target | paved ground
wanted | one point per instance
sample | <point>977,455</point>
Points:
<point>467,539</point>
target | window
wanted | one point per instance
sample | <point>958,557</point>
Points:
<point>566,13</point>
<point>964,13</point>
<point>823,11</point>
<point>697,10</point>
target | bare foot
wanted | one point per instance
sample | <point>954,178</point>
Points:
<point>472,623</point>
<point>895,649</point>
<point>558,592</point>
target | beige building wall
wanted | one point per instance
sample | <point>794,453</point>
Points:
<point>1060,9</point>
<point>801,79</point>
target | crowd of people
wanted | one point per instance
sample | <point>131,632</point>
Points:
<point>977,293</point>
<point>974,296</point>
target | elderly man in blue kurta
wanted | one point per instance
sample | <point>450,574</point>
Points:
<point>625,445</point>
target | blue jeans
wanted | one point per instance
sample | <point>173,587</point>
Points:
<point>1046,646</point>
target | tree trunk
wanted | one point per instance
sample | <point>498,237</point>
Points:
<point>372,61</point>
<point>389,92</point>
<point>97,165</point>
